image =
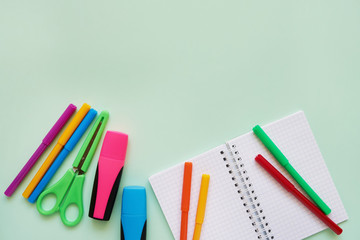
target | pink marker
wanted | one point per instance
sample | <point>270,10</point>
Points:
<point>108,175</point>
<point>39,151</point>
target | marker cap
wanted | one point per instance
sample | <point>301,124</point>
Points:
<point>134,201</point>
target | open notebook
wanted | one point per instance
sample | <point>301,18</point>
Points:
<point>244,201</point>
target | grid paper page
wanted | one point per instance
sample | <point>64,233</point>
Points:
<point>225,216</point>
<point>288,218</point>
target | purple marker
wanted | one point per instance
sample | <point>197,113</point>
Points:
<point>45,143</point>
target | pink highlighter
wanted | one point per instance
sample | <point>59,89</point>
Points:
<point>108,174</point>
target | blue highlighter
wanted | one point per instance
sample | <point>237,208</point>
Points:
<point>133,213</point>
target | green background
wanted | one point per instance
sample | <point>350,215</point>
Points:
<point>180,77</point>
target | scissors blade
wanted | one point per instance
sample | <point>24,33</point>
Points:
<point>87,151</point>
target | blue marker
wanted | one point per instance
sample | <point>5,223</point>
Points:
<point>133,213</point>
<point>69,146</point>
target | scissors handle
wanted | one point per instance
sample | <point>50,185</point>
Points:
<point>74,197</point>
<point>59,189</point>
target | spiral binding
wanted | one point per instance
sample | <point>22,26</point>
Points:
<point>246,191</point>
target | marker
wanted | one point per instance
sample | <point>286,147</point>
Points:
<point>108,175</point>
<point>200,213</point>
<point>280,157</point>
<point>291,188</point>
<point>50,136</point>
<point>133,213</point>
<point>79,132</point>
<point>185,200</point>
<point>57,149</point>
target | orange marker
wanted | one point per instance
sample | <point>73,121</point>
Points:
<point>185,200</point>
<point>57,149</point>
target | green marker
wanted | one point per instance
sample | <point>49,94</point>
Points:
<point>270,145</point>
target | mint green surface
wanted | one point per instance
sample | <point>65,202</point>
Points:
<point>280,157</point>
<point>68,190</point>
<point>180,77</point>
<point>102,119</point>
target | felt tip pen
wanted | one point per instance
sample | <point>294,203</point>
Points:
<point>280,157</point>
<point>69,146</point>
<point>200,213</point>
<point>291,188</point>
<point>57,149</point>
<point>50,136</point>
<point>185,200</point>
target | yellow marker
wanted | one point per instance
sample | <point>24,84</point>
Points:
<point>57,149</point>
<point>200,213</point>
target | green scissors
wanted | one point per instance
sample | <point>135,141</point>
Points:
<point>68,190</point>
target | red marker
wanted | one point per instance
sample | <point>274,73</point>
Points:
<point>291,188</point>
<point>185,200</point>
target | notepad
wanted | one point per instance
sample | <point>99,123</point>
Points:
<point>243,201</point>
